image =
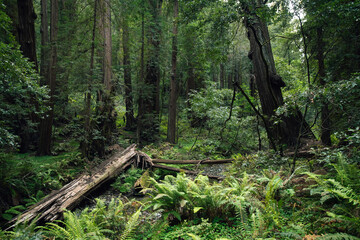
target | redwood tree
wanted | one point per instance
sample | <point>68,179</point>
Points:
<point>268,83</point>
<point>171,134</point>
<point>47,123</point>
<point>149,100</point>
<point>26,29</point>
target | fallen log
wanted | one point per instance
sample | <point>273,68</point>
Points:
<point>206,161</point>
<point>185,171</point>
<point>66,198</point>
<point>301,154</point>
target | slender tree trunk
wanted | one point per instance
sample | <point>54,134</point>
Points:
<point>86,143</point>
<point>141,111</point>
<point>107,70</point>
<point>26,30</point>
<point>325,113</point>
<point>149,104</point>
<point>222,76</point>
<point>47,123</point>
<point>173,82</point>
<point>129,115</point>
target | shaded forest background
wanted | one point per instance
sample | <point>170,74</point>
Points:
<point>182,79</point>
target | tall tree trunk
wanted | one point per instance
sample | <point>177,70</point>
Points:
<point>47,123</point>
<point>141,110</point>
<point>44,67</point>
<point>26,30</point>
<point>149,104</point>
<point>106,33</point>
<point>129,115</point>
<point>268,83</point>
<point>85,145</point>
<point>325,113</point>
<point>108,113</point>
<point>222,76</point>
<point>171,134</point>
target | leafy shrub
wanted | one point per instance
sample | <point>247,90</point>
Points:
<point>20,93</point>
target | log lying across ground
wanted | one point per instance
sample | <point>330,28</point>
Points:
<point>53,206</point>
<point>185,171</point>
<point>206,161</point>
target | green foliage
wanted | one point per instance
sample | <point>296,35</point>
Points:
<point>202,230</point>
<point>125,182</point>
<point>25,231</point>
<point>339,194</point>
<point>32,177</point>
<point>210,107</point>
<point>337,236</point>
<point>20,93</point>
<point>112,221</point>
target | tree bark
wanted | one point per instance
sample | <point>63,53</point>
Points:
<point>325,113</point>
<point>106,35</point>
<point>105,107</point>
<point>141,110</point>
<point>205,161</point>
<point>66,198</point>
<point>47,123</point>
<point>268,83</point>
<point>185,171</point>
<point>26,30</point>
<point>85,144</point>
<point>129,115</point>
<point>171,134</point>
<point>222,76</point>
<point>44,67</point>
<point>149,102</point>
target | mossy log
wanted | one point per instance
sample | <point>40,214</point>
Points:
<point>66,198</point>
<point>69,196</point>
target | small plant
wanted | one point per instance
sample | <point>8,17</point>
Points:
<point>125,182</point>
<point>339,195</point>
<point>104,221</point>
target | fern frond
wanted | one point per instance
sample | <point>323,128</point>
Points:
<point>338,236</point>
<point>131,225</point>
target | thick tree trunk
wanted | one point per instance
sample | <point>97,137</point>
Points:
<point>44,67</point>
<point>269,84</point>
<point>129,115</point>
<point>26,30</point>
<point>66,198</point>
<point>47,123</point>
<point>325,113</point>
<point>105,109</point>
<point>171,134</point>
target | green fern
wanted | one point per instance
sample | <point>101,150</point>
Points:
<point>76,227</point>
<point>271,205</point>
<point>131,225</point>
<point>337,236</point>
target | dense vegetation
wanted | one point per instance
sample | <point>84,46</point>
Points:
<point>274,85</point>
